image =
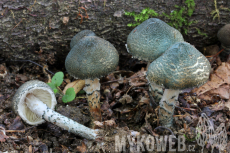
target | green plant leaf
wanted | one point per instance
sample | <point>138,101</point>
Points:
<point>144,11</point>
<point>186,31</point>
<point>190,12</point>
<point>81,92</point>
<point>69,95</point>
<point>53,87</point>
<point>152,12</point>
<point>57,79</point>
<point>130,25</point>
<point>176,6</point>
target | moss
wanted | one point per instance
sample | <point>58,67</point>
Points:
<point>178,18</point>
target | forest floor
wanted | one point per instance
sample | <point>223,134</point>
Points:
<point>127,101</point>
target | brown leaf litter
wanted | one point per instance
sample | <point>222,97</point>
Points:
<point>218,85</point>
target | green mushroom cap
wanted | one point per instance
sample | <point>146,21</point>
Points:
<point>151,39</point>
<point>181,66</point>
<point>224,36</point>
<point>79,36</point>
<point>92,57</point>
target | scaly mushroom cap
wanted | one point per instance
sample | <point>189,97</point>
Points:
<point>80,35</point>
<point>92,57</point>
<point>40,90</point>
<point>151,39</point>
<point>181,66</point>
<point>224,36</point>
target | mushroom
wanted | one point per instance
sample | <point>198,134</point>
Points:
<point>224,37</point>
<point>91,58</point>
<point>34,102</point>
<point>79,36</point>
<point>150,40</point>
<point>181,66</point>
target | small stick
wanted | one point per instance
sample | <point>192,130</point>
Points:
<point>216,53</point>
<point>20,131</point>
<point>159,127</point>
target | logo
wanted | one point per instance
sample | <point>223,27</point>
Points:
<point>205,134</point>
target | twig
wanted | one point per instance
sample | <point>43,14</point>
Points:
<point>129,89</point>
<point>44,71</point>
<point>82,17</point>
<point>182,109</point>
<point>20,131</point>
<point>216,53</point>
<point>18,23</point>
<point>162,127</point>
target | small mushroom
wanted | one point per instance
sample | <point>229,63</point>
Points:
<point>91,58</point>
<point>224,37</point>
<point>34,102</point>
<point>150,40</point>
<point>79,36</point>
<point>181,66</point>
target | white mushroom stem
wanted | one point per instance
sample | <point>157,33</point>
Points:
<point>167,106</point>
<point>43,111</point>
<point>92,89</point>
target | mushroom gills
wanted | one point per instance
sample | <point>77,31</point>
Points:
<point>41,94</point>
<point>43,111</point>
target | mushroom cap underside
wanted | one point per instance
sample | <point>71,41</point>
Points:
<point>79,36</point>
<point>151,39</point>
<point>181,66</point>
<point>40,90</point>
<point>224,36</point>
<point>92,57</point>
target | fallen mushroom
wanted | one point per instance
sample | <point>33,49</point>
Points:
<point>79,36</point>
<point>150,40</point>
<point>91,58</point>
<point>34,102</point>
<point>181,66</point>
<point>224,37</point>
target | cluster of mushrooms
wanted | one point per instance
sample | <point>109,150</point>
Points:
<point>175,65</point>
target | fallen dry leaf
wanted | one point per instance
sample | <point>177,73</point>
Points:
<point>138,79</point>
<point>17,124</point>
<point>144,100</point>
<point>3,71</point>
<point>30,149</point>
<point>218,106</point>
<point>227,104</point>
<point>98,124</point>
<point>77,85</point>
<point>123,111</point>
<point>3,135</point>
<point>114,85</point>
<point>65,149</point>
<point>22,77</point>
<point>108,123</point>
<point>82,148</point>
<point>126,99</point>
<point>219,84</point>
